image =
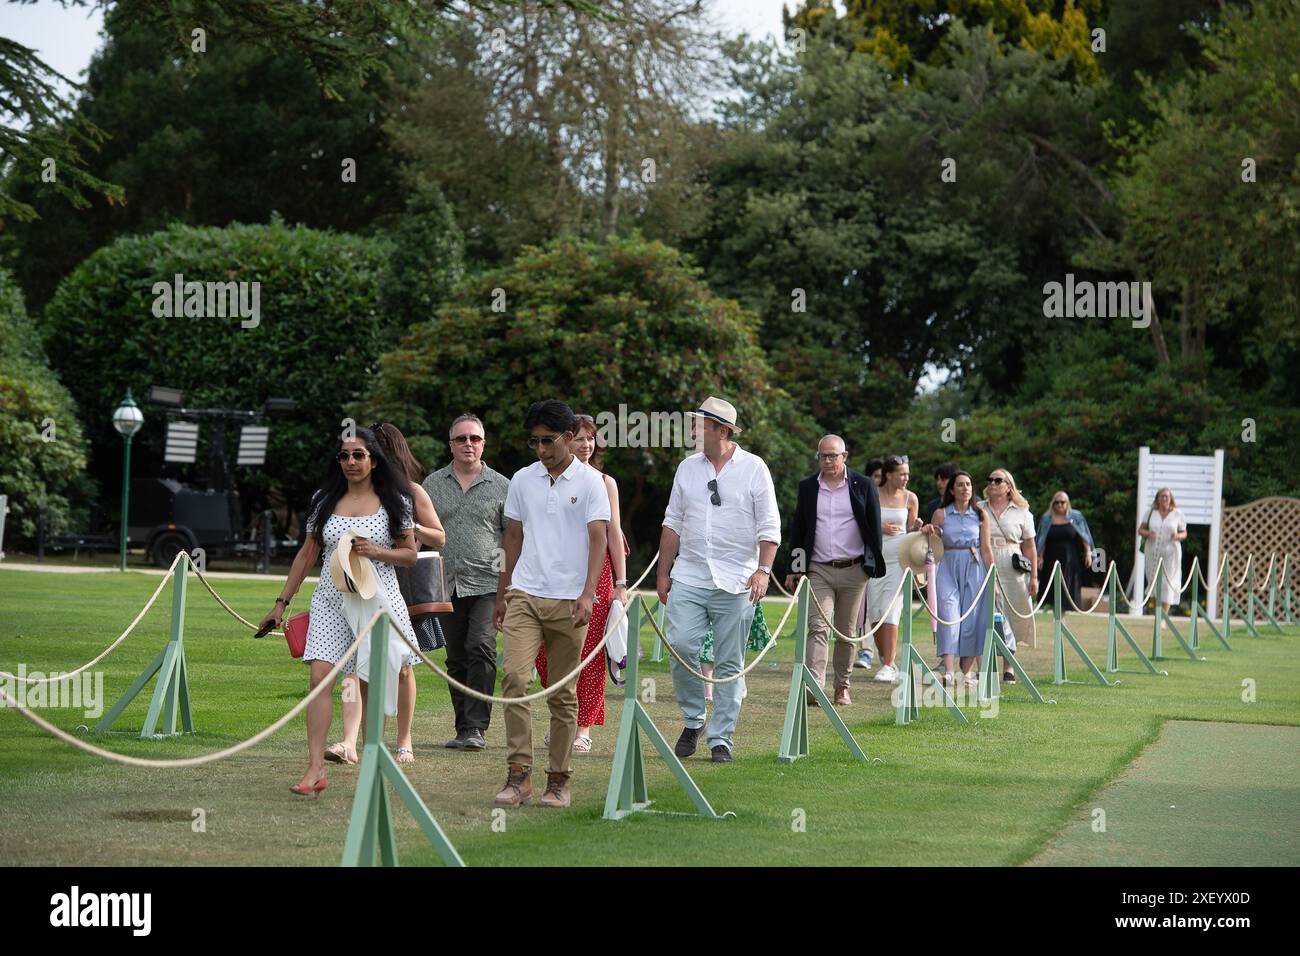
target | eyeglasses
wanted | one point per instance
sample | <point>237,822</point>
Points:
<point>546,441</point>
<point>715,497</point>
<point>829,455</point>
<point>996,479</point>
<point>356,455</point>
<point>468,439</point>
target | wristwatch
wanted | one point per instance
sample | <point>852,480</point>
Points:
<point>765,570</point>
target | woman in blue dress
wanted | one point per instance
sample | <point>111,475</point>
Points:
<point>967,556</point>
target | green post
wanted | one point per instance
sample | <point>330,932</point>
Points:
<point>1225,579</point>
<point>1115,626</point>
<point>1157,634</point>
<point>171,694</point>
<point>1267,611</point>
<point>1196,602</point>
<point>370,827</point>
<point>1058,639</point>
<point>906,706</point>
<point>657,649</point>
<point>794,732</point>
<point>989,684</point>
<point>627,792</point>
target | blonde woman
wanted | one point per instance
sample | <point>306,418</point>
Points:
<point>1011,532</point>
<point>1164,531</point>
<point>1065,539</point>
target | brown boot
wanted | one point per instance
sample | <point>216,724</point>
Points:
<point>518,790</point>
<point>842,697</point>
<point>557,791</point>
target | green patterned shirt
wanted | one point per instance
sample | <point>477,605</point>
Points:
<point>474,521</point>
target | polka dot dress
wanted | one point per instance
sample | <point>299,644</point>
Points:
<point>328,632</point>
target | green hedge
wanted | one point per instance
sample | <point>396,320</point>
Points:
<point>45,455</point>
<point>595,325</point>
<point>317,341</point>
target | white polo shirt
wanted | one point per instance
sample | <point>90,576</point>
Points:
<point>719,543</point>
<point>553,561</point>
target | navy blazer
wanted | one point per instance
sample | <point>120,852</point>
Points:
<point>866,509</point>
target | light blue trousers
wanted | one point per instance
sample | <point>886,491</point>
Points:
<point>690,611</point>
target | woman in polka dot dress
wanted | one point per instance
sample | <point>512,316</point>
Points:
<point>611,586</point>
<point>362,494</point>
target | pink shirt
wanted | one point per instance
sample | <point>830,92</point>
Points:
<point>836,537</point>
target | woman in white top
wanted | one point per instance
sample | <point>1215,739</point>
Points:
<point>1164,530</point>
<point>898,508</point>
<point>1011,530</point>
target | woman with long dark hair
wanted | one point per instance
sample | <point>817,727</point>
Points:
<point>967,555</point>
<point>362,493</point>
<point>428,531</point>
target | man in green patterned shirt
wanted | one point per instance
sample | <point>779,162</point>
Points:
<point>470,499</point>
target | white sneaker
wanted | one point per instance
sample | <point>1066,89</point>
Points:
<point>887,674</point>
<point>970,680</point>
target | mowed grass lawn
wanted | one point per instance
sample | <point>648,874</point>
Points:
<point>993,791</point>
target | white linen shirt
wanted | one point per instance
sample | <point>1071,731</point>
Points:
<point>719,543</point>
<point>553,560</point>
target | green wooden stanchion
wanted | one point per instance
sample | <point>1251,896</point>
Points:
<point>1115,627</point>
<point>1157,634</point>
<point>907,705</point>
<point>1272,585</point>
<point>1229,602</point>
<point>370,827</point>
<point>1225,580</point>
<point>1287,597</point>
<point>171,694</point>
<point>794,733</point>
<point>989,685</point>
<point>1060,634</point>
<point>657,651</point>
<point>1199,613</point>
<point>627,792</point>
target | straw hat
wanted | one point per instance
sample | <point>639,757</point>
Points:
<point>911,551</point>
<point>351,573</point>
<point>719,411</point>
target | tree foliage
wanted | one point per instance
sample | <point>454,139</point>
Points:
<point>626,323</point>
<point>319,335</point>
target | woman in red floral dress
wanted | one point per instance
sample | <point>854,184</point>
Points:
<point>611,586</point>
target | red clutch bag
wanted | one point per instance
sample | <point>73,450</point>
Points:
<point>295,632</point>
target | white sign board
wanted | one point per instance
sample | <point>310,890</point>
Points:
<point>1197,484</point>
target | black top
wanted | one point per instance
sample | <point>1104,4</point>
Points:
<point>931,506</point>
<point>866,509</point>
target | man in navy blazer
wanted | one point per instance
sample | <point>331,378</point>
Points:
<point>835,540</point>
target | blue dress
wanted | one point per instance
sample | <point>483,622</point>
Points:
<point>957,579</point>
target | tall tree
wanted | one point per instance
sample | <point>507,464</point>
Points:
<point>539,120</point>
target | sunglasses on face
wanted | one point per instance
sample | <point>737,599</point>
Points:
<point>714,496</point>
<point>1061,503</point>
<point>546,441</point>
<point>996,480</point>
<point>468,439</point>
<point>356,455</point>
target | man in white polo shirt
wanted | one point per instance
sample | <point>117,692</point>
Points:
<point>719,539</point>
<point>554,551</point>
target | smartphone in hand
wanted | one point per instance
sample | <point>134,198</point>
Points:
<point>265,629</point>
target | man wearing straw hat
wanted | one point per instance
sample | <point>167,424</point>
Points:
<point>836,541</point>
<point>719,539</point>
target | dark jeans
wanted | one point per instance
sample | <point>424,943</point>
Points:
<point>471,657</point>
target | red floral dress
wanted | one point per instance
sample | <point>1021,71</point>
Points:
<point>591,682</point>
